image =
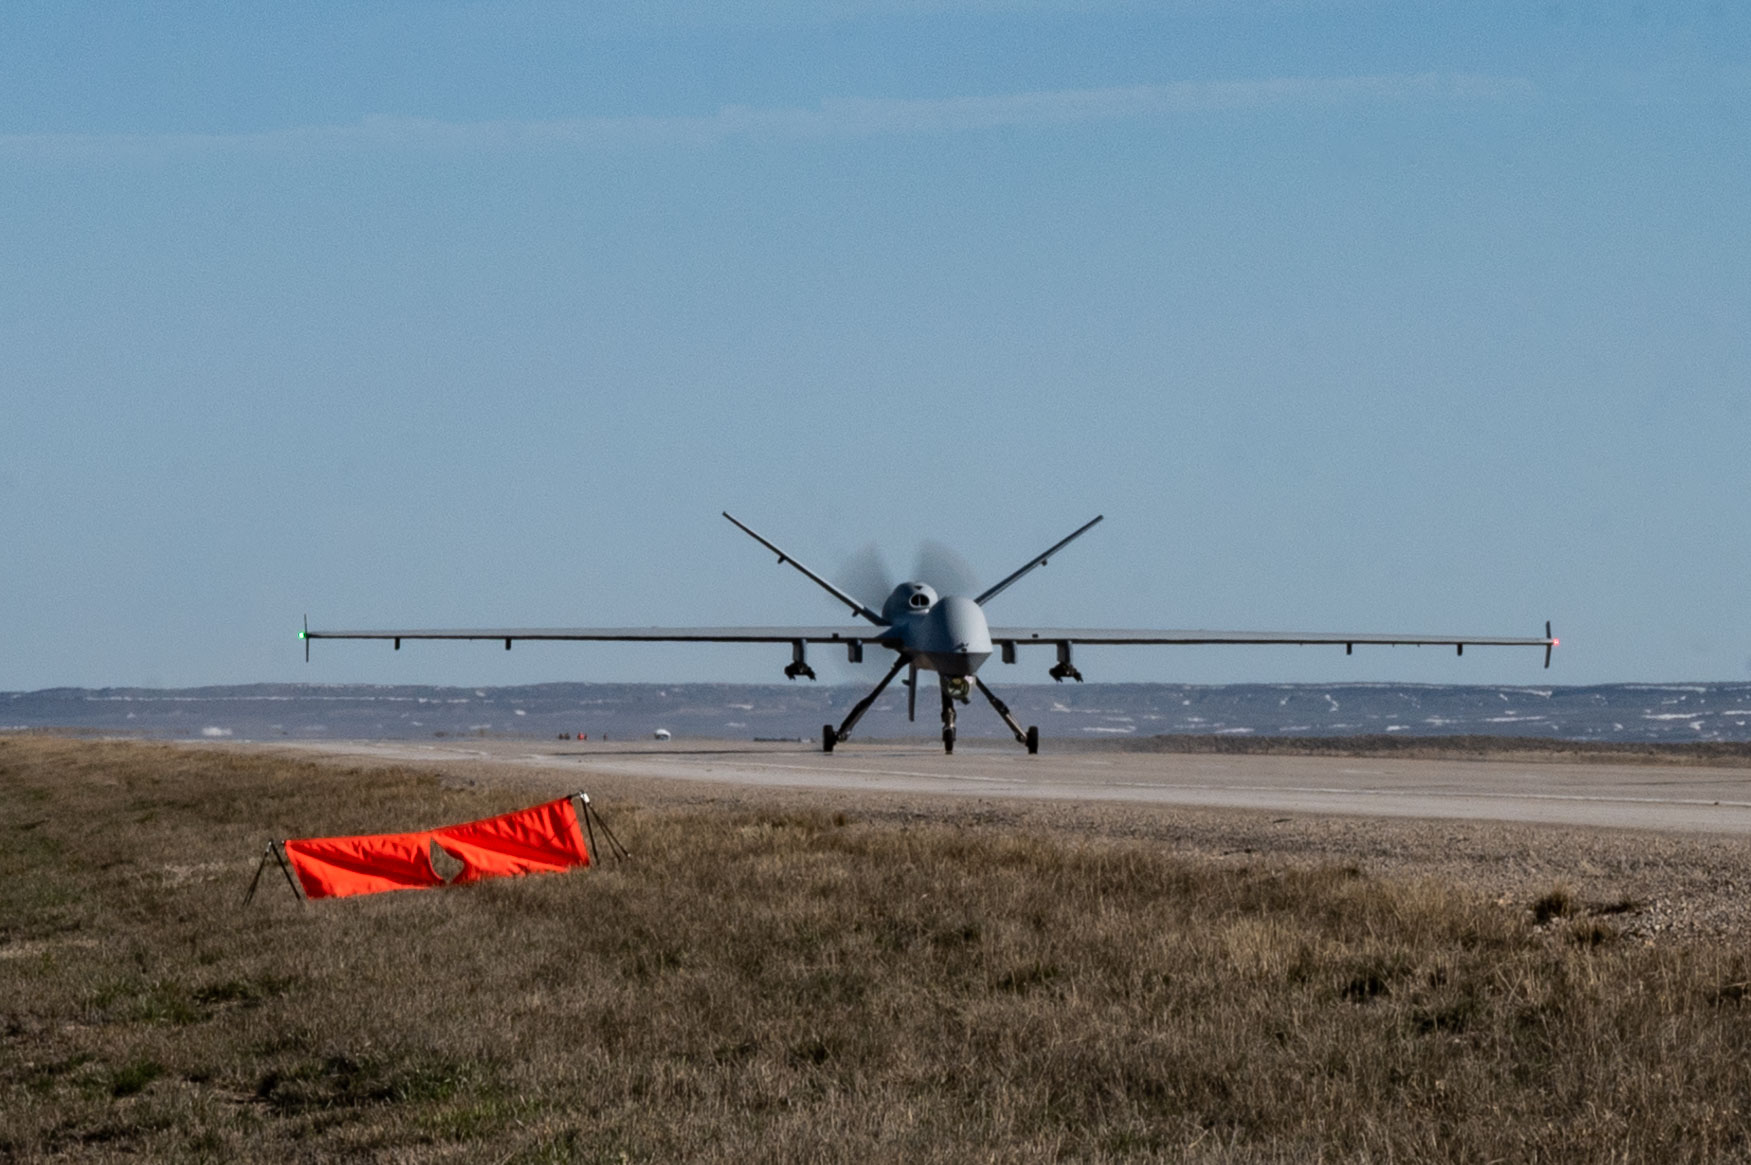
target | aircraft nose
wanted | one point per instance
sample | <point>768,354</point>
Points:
<point>959,640</point>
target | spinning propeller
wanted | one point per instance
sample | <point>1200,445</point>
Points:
<point>867,577</point>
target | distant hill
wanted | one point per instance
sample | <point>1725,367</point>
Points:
<point>1609,712</point>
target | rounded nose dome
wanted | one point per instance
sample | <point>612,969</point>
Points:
<point>909,598</point>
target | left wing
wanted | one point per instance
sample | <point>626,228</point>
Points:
<point>631,634</point>
<point>853,638</point>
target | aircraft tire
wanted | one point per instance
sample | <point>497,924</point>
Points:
<point>829,737</point>
<point>948,740</point>
<point>1033,739</point>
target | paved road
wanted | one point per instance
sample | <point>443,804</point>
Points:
<point>1683,799</point>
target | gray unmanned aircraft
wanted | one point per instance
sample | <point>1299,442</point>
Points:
<point>946,634</point>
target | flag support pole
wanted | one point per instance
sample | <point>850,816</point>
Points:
<point>621,853</point>
<point>593,819</point>
<point>273,849</point>
<point>279,849</point>
<point>589,831</point>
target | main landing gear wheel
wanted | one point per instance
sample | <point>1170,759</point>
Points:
<point>1033,739</point>
<point>831,736</point>
<point>948,740</point>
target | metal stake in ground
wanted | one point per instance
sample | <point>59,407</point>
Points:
<point>273,848</point>
<point>619,851</point>
<point>584,801</point>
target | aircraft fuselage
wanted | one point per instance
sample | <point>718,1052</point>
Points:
<point>950,636</point>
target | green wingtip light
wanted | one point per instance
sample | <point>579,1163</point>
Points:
<point>303,635</point>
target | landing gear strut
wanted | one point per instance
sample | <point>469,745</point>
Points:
<point>831,736</point>
<point>952,688</point>
<point>1030,738</point>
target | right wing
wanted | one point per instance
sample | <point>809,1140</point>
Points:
<point>1008,637</point>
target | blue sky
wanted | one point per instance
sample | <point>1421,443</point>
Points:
<point>1349,316</point>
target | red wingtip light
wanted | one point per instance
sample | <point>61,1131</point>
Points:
<point>1556,643</point>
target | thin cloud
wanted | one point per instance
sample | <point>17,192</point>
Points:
<point>832,118</point>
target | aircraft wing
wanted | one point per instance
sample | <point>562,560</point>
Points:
<point>1008,637</point>
<point>1112,636</point>
<point>630,634</point>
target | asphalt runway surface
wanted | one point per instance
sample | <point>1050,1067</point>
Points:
<point>1667,798</point>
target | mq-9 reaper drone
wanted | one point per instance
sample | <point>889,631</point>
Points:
<point>946,634</point>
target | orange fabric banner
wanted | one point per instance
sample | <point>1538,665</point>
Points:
<point>334,867</point>
<point>544,839</point>
<point>541,839</point>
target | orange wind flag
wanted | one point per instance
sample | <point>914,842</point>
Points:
<point>334,867</point>
<point>543,839</point>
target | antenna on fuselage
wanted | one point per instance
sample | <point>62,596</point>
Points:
<point>1037,560</point>
<point>856,607</point>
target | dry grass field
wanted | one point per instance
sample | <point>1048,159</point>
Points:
<point>802,986</point>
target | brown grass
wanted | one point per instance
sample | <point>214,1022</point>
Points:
<point>800,987</point>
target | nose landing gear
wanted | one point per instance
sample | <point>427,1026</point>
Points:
<point>957,687</point>
<point>948,715</point>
